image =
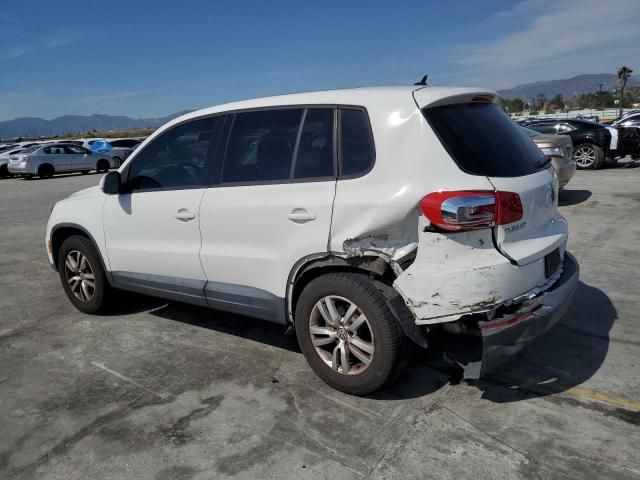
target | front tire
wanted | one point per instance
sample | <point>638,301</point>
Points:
<point>82,276</point>
<point>348,335</point>
<point>588,156</point>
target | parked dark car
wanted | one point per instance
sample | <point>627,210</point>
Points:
<point>629,119</point>
<point>592,142</point>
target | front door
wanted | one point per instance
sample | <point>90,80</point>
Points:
<point>152,228</point>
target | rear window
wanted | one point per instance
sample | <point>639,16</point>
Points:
<point>483,140</point>
<point>30,149</point>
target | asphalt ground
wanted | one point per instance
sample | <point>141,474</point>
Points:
<point>161,390</point>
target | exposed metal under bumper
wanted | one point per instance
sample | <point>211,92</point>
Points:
<point>504,336</point>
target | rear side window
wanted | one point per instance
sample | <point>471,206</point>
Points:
<point>315,149</point>
<point>261,145</point>
<point>356,142</point>
<point>483,140</point>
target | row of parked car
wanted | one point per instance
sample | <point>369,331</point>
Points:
<point>44,159</point>
<point>593,143</point>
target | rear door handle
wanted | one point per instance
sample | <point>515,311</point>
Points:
<point>185,215</point>
<point>300,215</point>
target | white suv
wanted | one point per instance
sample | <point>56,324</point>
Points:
<point>362,218</point>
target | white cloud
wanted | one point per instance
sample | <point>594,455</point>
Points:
<point>47,41</point>
<point>560,39</point>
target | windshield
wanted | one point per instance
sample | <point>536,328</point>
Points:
<point>483,140</point>
<point>531,133</point>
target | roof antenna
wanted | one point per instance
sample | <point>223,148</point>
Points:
<point>423,81</point>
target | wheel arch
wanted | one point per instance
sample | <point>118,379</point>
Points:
<point>62,231</point>
<point>46,165</point>
<point>378,268</point>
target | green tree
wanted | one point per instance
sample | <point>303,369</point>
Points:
<point>541,99</point>
<point>558,101</point>
<point>624,73</point>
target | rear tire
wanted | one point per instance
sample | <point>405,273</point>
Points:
<point>588,156</point>
<point>4,171</point>
<point>103,166</point>
<point>46,171</point>
<point>381,348</point>
<point>82,276</point>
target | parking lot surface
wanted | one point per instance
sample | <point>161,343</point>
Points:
<point>161,390</point>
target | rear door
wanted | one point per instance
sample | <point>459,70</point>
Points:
<point>58,157</point>
<point>482,140</point>
<point>269,206</point>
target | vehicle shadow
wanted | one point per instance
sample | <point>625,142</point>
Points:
<point>566,356</point>
<point>269,333</point>
<point>573,197</point>
<point>414,381</point>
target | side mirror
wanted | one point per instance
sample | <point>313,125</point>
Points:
<point>111,183</point>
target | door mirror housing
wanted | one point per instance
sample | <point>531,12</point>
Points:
<point>111,183</point>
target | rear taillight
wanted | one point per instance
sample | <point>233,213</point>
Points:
<point>470,210</point>
<point>553,152</point>
<point>24,159</point>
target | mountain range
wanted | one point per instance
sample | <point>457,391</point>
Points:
<point>39,127</point>
<point>567,87</point>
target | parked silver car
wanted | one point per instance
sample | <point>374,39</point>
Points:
<point>560,149</point>
<point>48,159</point>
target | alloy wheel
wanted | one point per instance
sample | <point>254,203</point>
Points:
<point>79,276</point>
<point>585,156</point>
<point>341,335</point>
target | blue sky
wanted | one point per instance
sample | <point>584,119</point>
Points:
<point>151,58</point>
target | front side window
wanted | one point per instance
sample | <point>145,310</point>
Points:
<point>176,159</point>
<point>75,150</point>
<point>356,143</point>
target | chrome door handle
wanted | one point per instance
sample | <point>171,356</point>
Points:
<point>300,215</point>
<point>185,215</point>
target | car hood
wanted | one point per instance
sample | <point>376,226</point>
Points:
<point>87,192</point>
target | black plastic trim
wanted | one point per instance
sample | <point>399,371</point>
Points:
<point>95,244</point>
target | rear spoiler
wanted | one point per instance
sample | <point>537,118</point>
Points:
<point>436,96</point>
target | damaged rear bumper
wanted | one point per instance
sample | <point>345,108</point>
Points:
<point>505,335</point>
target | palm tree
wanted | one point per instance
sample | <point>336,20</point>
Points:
<point>624,73</point>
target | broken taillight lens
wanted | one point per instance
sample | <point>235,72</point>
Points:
<point>470,210</point>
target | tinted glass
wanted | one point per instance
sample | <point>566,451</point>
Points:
<point>483,140</point>
<point>176,159</point>
<point>261,145</point>
<point>315,151</point>
<point>531,133</point>
<point>30,149</point>
<point>75,150</point>
<point>548,128</point>
<point>55,150</point>
<point>356,145</point>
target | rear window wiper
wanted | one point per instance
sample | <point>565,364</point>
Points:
<point>543,162</point>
